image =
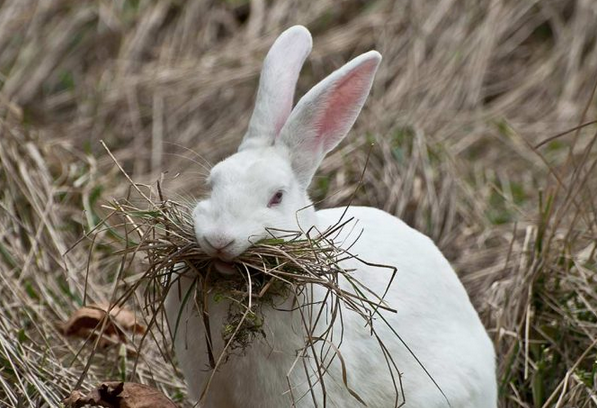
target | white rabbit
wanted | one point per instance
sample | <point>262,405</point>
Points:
<point>265,185</point>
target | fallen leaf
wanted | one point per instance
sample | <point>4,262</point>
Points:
<point>115,394</point>
<point>87,320</point>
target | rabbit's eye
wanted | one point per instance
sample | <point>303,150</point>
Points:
<point>276,199</point>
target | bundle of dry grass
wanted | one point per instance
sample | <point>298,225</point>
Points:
<point>271,272</point>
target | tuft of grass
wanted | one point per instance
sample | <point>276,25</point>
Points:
<point>42,282</point>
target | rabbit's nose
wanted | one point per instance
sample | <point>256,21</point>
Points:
<point>218,243</point>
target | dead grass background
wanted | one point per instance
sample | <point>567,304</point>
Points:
<point>465,92</point>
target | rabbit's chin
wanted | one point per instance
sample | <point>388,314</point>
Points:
<point>225,268</point>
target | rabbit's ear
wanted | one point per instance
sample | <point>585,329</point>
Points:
<point>280,72</point>
<point>326,113</point>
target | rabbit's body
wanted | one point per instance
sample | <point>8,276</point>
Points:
<point>435,319</point>
<point>264,186</point>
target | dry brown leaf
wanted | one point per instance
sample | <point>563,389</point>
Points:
<point>116,394</point>
<point>87,320</point>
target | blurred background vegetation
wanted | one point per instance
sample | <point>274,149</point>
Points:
<point>468,122</point>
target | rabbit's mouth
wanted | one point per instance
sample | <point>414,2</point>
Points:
<point>225,268</point>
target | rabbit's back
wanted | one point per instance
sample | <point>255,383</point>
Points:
<point>434,318</point>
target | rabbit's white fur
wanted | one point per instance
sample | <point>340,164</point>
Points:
<point>280,153</point>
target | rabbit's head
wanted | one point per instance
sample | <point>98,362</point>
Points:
<point>263,187</point>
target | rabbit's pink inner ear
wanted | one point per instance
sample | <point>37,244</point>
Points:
<point>325,114</point>
<point>341,105</point>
